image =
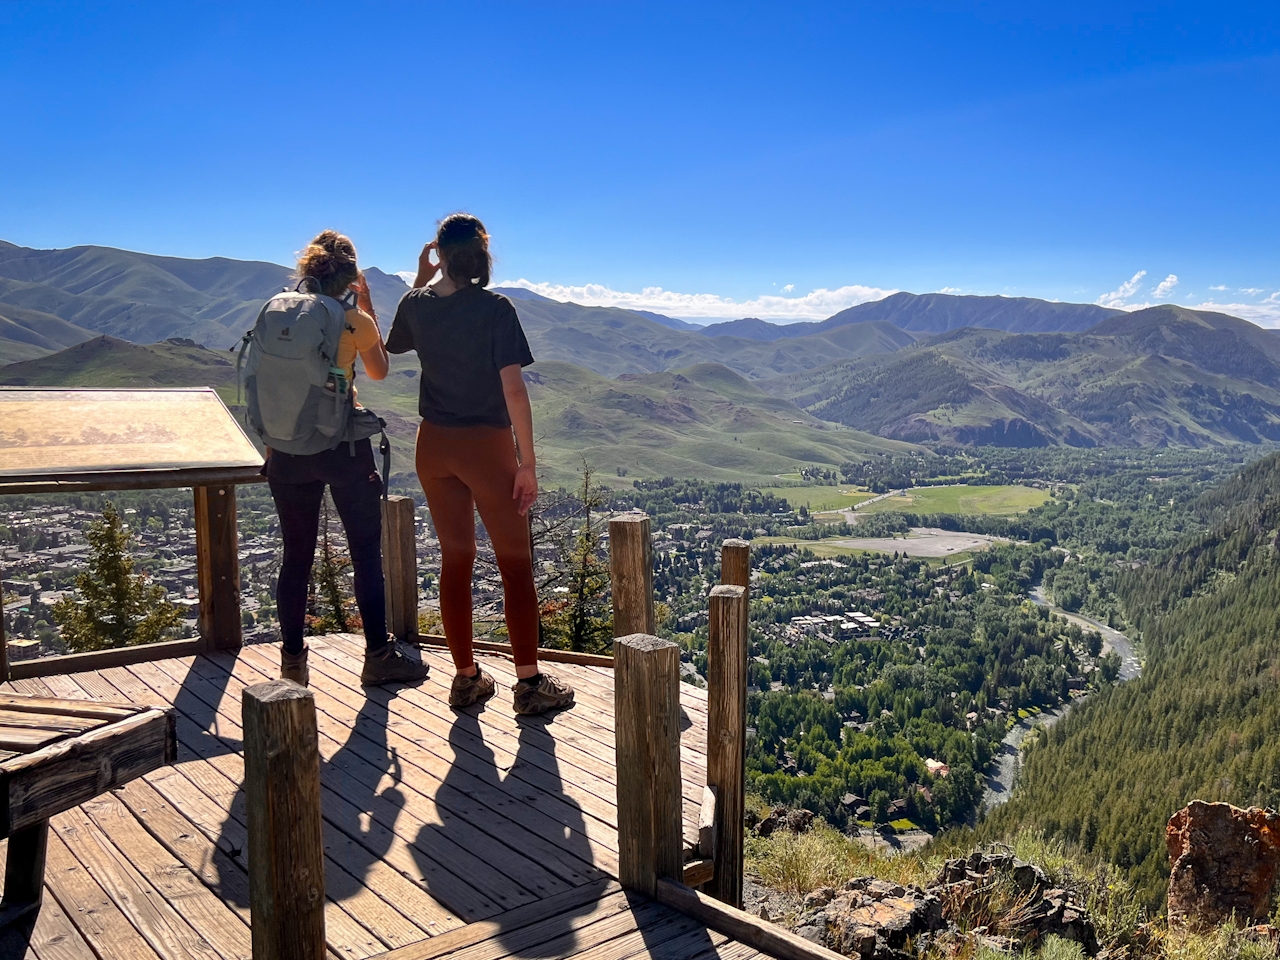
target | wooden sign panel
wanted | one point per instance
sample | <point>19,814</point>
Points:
<point>50,433</point>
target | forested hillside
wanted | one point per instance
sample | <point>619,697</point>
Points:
<point>1201,721</point>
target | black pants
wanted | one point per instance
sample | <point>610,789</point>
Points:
<point>297,486</point>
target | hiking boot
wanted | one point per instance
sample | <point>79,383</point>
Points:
<point>470,690</point>
<point>293,666</point>
<point>548,693</point>
<point>392,665</point>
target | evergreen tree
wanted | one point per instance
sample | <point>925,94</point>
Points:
<point>115,606</point>
<point>583,619</point>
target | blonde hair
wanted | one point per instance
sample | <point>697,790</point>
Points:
<point>331,259</point>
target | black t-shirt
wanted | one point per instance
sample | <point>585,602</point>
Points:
<point>462,341</point>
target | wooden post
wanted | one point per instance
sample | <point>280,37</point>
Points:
<point>631,574</point>
<point>4,643</point>
<point>727,734</point>
<point>282,801</point>
<point>735,563</point>
<point>646,698</point>
<point>218,567</point>
<point>400,567</point>
<point>24,870</point>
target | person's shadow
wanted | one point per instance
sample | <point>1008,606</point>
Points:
<point>523,933</point>
<point>355,812</point>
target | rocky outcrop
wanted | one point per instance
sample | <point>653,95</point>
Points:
<point>1003,902</point>
<point>1223,862</point>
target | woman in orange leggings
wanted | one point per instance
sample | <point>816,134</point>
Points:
<point>472,398</point>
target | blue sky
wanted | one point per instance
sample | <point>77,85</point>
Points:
<point>780,160</point>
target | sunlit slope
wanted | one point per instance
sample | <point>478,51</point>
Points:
<point>705,421</point>
<point>1165,375</point>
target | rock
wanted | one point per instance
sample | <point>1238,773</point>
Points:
<point>779,818</point>
<point>1223,861</point>
<point>877,925</point>
<point>819,898</point>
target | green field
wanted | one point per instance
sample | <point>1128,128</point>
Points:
<point>820,498</point>
<point>997,501</point>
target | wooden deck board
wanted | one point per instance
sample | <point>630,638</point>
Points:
<point>468,834</point>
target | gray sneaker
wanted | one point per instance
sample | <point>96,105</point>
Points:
<point>549,693</point>
<point>293,666</point>
<point>470,690</point>
<point>392,665</point>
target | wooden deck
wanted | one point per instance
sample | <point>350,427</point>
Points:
<point>447,833</point>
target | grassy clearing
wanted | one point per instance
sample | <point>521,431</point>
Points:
<point>820,498</point>
<point>996,501</point>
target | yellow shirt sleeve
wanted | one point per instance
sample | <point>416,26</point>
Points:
<point>361,334</point>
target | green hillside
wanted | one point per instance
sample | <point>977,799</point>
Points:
<point>705,421</point>
<point>1165,375</point>
<point>1200,722</point>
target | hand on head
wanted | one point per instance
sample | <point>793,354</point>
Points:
<point>526,489</point>
<point>426,269</point>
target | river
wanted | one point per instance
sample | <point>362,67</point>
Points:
<point>999,782</point>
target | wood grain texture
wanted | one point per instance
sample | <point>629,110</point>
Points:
<point>631,574</point>
<point>727,732</point>
<point>647,722</point>
<point>218,566</point>
<point>740,925</point>
<point>57,706</point>
<point>552,656</point>
<point>707,823</point>
<point>36,786</point>
<point>698,872</point>
<point>400,567</point>
<point>286,844</point>
<point>136,480</point>
<point>103,659</point>
<point>735,563</point>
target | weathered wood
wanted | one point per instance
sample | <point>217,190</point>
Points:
<point>103,659</point>
<point>400,567</point>
<point>647,724</point>
<point>4,644</point>
<point>135,480</point>
<point>735,563</point>
<point>726,733</point>
<point>707,824</point>
<point>553,656</point>
<point>764,936</point>
<point>698,872</point>
<point>631,574</point>
<point>218,567</point>
<point>24,871</point>
<point>282,798</point>
<point>36,786</point>
<point>90,709</point>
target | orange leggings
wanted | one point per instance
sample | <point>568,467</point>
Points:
<point>461,468</point>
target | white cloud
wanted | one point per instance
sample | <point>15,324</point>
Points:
<point>1165,286</point>
<point>1219,287</point>
<point>815,305</point>
<point>950,290</point>
<point>408,276</point>
<point>789,288</point>
<point>1265,314</point>
<point>1117,298</point>
<point>1252,291</point>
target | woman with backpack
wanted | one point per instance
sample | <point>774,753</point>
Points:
<point>298,482</point>
<point>471,398</point>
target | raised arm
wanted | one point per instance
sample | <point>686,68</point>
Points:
<point>521,413</point>
<point>369,343</point>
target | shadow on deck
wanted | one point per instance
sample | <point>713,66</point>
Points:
<point>447,833</point>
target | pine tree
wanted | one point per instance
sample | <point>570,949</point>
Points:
<point>583,620</point>
<point>115,606</point>
<point>330,599</point>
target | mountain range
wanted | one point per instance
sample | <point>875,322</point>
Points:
<point>930,368</point>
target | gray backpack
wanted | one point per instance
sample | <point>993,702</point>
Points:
<point>299,400</point>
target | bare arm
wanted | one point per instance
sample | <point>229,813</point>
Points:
<point>376,362</point>
<point>521,413</point>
